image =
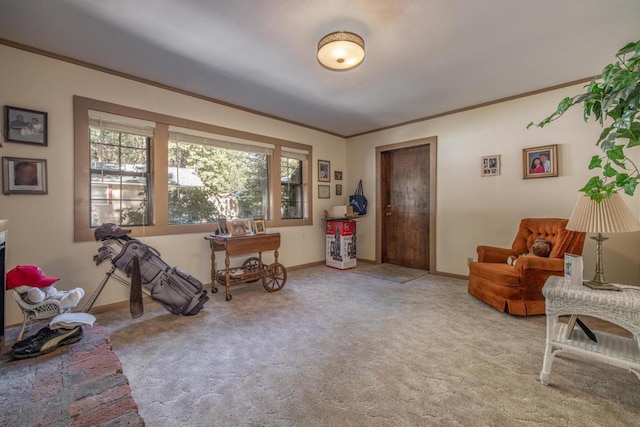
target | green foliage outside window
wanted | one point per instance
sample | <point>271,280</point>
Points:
<point>233,184</point>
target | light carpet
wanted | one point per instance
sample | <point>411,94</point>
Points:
<point>390,272</point>
<point>335,348</point>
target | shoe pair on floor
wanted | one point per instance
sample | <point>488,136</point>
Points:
<point>45,341</point>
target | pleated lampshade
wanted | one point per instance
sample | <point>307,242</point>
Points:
<point>611,215</point>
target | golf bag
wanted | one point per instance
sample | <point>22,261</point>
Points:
<point>178,291</point>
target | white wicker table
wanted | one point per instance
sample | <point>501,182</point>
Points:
<point>619,307</point>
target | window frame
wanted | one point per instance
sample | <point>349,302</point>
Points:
<point>120,173</point>
<point>295,185</point>
<point>159,171</point>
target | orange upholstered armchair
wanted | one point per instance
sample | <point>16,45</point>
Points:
<point>517,289</point>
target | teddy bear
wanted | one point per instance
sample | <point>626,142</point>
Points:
<point>35,286</point>
<point>540,247</point>
<point>68,299</point>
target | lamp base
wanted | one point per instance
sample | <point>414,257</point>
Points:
<point>600,286</point>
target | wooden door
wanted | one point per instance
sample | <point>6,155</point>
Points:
<point>405,186</point>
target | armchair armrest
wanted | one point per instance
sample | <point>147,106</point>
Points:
<point>534,271</point>
<point>539,263</point>
<point>493,254</point>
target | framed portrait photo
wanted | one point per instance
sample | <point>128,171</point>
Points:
<point>324,191</point>
<point>24,176</point>
<point>337,175</point>
<point>324,171</point>
<point>573,268</point>
<point>259,227</point>
<point>238,228</point>
<point>490,165</point>
<point>26,126</point>
<point>540,162</point>
<point>223,226</point>
<point>248,226</point>
<point>338,189</point>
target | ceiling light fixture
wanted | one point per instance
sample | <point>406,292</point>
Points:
<point>341,50</point>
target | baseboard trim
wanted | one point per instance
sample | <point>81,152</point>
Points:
<point>301,266</point>
<point>455,276</point>
<point>117,305</point>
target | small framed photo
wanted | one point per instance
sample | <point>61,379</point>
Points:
<point>324,171</point>
<point>573,269</point>
<point>324,191</point>
<point>337,175</point>
<point>223,227</point>
<point>24,176</point>
<point>26,126</point>
<point>259,227</point>
<point>490,165</point>
<point>540,162</point>
<point>338,189</point>
<point>238,228</point>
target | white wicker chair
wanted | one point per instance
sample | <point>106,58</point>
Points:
<point>46,309</point>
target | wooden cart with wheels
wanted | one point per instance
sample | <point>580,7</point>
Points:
<point>274,276</point>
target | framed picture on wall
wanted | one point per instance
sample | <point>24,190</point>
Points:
<point>490,165</point>
<point>540,162</point>
<point>337,175</point>
<point>26,126</point>
<point>324,191</point>
<point>338,189</point>
<point>24,176</point>
<point>324,171</point>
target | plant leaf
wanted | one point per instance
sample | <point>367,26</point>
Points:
<point>609,171</point>
<point>596,162</point>
<point>630,186</point>
<point>632,134</point>
<point>616,153</point>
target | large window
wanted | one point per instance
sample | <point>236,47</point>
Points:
<point>166,175</point>
<point>209,178</point>
<point>119,168</point>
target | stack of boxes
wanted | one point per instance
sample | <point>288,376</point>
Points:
<point>341,244</point>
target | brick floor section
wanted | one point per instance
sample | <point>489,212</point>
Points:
<point>81,384</point>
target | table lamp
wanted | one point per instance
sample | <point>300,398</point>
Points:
<point>611,215</point>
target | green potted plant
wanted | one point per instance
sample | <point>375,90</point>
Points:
<point>613,100</point>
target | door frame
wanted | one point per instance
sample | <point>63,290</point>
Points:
<point>432,142</point>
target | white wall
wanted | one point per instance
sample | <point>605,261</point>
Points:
<point>41,226</point>
<point>473,210</point>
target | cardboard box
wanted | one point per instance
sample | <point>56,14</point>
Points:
<point>341,244</point>
<point>337,211</point>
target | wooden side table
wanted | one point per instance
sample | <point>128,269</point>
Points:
<point>619,307</point>
<point>273,275</point>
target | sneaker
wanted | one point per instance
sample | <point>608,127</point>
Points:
<point>35,337</point>
<point>45,341</point>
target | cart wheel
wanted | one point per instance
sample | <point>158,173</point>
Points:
<point>214,290</point>
<point>252,265</point>
<point>228,297</point>
<point>274,278</point>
